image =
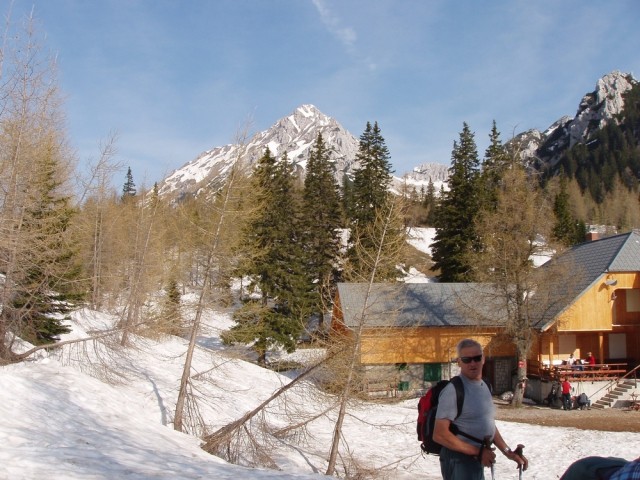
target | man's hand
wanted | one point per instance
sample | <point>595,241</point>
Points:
<point>487,456</point>
<point>518,457</point>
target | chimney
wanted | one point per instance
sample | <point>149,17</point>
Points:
<point>592,236</point>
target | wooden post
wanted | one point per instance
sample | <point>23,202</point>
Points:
<point>601,346</point>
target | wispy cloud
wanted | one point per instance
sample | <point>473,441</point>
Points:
<point>346,35</point>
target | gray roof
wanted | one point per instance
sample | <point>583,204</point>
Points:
<point>588,263</point>
<point>473,304</point>
<point>418,304</point>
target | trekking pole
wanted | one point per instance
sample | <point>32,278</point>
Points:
<point>518,451</point>
<point>487,444</point>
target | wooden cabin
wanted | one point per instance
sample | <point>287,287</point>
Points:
<point>603,314</point>
<point>410,331</point>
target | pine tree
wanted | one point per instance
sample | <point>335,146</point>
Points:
<point>170,320</point>
<point>49,286</point>
<point>37,252</point>
<point>567,230</point>
<point>129,187</point>
<point>347,195</point>
<point>372,179</point>
<point>496,161</point>
<point>371,200</point>
<point>429,202</point>
<point>322,221</point>
<point>275,264</point>
<point>455,236</point>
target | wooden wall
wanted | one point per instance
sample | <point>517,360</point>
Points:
<point>594,310</point>
<point>585,327</point>
<point>424,345</point>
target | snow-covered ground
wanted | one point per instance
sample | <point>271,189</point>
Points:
<point>88,412</point>
<point>65,419</point>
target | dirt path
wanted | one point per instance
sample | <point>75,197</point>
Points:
<point>609,420</point>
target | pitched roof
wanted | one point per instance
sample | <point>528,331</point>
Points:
<point>587,263</point>
<point>418,304</point>
<point>473,304</point>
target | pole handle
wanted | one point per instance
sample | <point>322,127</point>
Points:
<point>519,449</point>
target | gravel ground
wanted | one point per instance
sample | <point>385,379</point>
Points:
<point>609,419</point>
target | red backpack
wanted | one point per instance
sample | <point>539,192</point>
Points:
<point>427,408</point>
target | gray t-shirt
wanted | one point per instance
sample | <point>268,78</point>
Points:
<point>478,411</point>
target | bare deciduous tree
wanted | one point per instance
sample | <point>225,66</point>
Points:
<point>387,247</point>
<point>216,252</point>
<point>512,235</point>
<point>35,169</point>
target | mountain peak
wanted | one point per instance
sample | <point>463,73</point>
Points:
<point>596,109</point>
<point>294,134</point>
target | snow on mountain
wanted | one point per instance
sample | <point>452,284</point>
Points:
<point>294,134</point>
<point>420,176</point>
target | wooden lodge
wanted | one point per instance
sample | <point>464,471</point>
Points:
<point>409,331</point>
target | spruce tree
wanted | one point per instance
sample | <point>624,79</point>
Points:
<point>275,264</point>
<point>372,179</point>
<point>170,320</point>
<point>455,235</point>
<point>48,288</point>
<point>368,211</point>
<point>322,221</point>
<point>496,161</point>
<point>567,229</point>
<point>129,187</point>
<point>429,203</point>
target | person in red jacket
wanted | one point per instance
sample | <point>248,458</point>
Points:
<point>566,394</point>
<point>591,360</point>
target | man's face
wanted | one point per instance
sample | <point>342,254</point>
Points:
<point>472,369</point>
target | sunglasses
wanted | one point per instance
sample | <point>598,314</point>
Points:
<point>477,359</point>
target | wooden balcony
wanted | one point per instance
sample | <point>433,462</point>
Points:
<point>577,373</point>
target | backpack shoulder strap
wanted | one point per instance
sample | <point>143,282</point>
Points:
<point>457,383</point>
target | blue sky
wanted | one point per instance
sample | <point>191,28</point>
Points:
<point>176,78</point>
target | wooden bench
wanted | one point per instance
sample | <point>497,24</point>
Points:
<point>389,390</point>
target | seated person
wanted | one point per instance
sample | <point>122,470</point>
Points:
<point>578,365</point>
<point>575,364</point>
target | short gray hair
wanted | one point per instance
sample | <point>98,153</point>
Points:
<point>466,343</point>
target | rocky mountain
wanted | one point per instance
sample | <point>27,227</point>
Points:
<point>420,176</point>
<point>596,109</point>
<point>294,134</point>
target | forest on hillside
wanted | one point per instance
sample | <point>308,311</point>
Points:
<point>73,236</point>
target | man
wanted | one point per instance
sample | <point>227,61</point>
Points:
<point>462,458</point>
<point>591,360</point>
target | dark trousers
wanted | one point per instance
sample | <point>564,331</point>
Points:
<point>458,466</point>
<point>566,401</point>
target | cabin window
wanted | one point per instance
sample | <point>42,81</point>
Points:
<point>633,300</point>
<point>617,345</point>
<point>403,386</point>
<point>432,372</point>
